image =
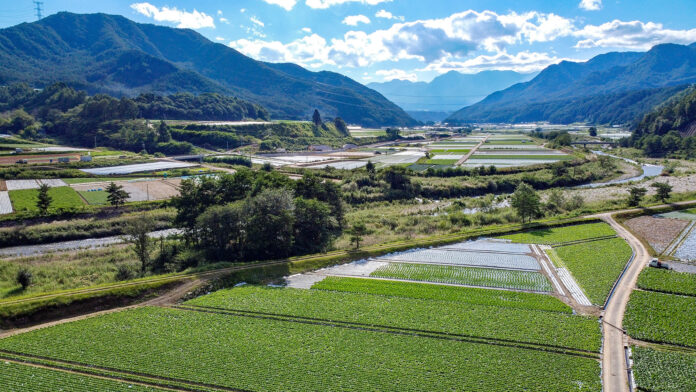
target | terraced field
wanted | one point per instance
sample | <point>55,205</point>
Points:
<point>484,277</point>
<point>275,355</point>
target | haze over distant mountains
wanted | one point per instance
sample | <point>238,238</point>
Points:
<point>609,88</point>
<point>114,55</point>
<point>449,92</point>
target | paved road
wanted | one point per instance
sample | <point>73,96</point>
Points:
<point>614,368</point>
<point>473,150</point>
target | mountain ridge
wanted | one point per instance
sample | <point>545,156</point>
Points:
<point>447,92</point>
<point>639,80</point>
<point>111,54</point>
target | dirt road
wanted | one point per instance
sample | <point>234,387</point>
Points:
<point>614,367</point>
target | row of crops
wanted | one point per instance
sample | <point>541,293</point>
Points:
<point>464,295</point>
<point>661,318</point>
<point>467,258</point>
<point>449,317</point>
<point>663,371</point>
<point>271,355</point>
<point>665,281</point>
<point>22,378</point>
<point>484,277</point>
<point>561,235</point>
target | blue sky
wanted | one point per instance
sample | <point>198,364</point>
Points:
<point>378,40</point>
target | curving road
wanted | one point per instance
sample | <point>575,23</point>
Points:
<point>614,367</point>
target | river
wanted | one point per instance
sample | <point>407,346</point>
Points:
<point>648,171</point>
<point>90,243</point>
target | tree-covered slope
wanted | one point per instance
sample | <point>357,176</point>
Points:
<point>111,54</point>
<point>610,88</point>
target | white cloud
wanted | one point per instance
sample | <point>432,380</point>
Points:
<point>256,21</point>
<point>224,20</point>
<point>219,12</point>
<point>399,74</point>
<point>323,4</point>
<point>384,14</point>
<point>354,20</point>
<point>243,10</point>
<point>285,4</point>
<point>524,62</point>
<point>306,30</point>
<point>591,5</point>
<point>219,39</point>
<point>311,50</point>
<point>452,38</point>
<point>631,35</point>
<point>184,19</point>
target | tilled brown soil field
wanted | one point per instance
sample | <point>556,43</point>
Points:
<point>659,232</point>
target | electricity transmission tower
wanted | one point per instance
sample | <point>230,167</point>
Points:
<point>38,9</point>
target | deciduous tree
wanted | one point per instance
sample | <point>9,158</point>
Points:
<point>526,202</point>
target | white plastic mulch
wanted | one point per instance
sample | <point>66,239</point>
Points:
<point>143,167</point>
<point>448,157</point>
<point>15,185</point>
<point>5,203</point>
<point>53,183</point>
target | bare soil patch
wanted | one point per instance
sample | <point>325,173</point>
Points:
<point>658,232</point>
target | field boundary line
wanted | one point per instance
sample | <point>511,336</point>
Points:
<point>662,346</point>
<point>120,374</point>
<point>391,330</point>
<point>442,283</point>
<point>542,260</point>
<point>618,280</point>
<point>672,248</point>
<point>583,241</point>
<point>65,369</point>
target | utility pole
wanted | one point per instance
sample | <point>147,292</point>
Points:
<point>38,9</point>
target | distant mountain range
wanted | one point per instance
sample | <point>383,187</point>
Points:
<point>449,92</point>
<point>111,54</point>
<point>610,88</point>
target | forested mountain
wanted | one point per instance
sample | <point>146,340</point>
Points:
<point>111,54</point>
<point>448,92</point>
<point>610,88</point>
<point>669,129</point>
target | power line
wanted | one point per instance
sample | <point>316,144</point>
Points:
<point>38,9</point>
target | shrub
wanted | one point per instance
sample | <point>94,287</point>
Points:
<point>24,278</point>
<point>124,273</point>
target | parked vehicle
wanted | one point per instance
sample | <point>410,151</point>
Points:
<point>655,263</point>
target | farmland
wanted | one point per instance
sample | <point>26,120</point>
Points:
<point>485,277</point>
<point>63,197</point>
<point>667,282</point>
<point>661,318</point>
<point>18,378</point>
<point>448,317</point>
<point>664,371</point>
<point>510,299</point>
<point>560,235</point>
<point>253,353</point>
<point>596,266</point>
